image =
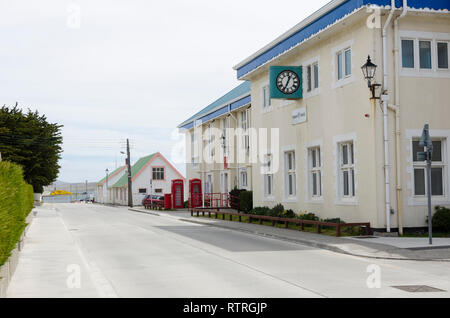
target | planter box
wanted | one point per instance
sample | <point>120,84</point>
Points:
<point>8,269</point>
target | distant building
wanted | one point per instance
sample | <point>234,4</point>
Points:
<point>103,195</point>
<point>150,175</point>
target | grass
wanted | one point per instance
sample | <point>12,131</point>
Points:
<point>331,231</point>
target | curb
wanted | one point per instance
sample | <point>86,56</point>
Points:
<point>8,269</point>
<point>323,246</point>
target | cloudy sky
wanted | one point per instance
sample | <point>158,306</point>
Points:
<point>109,70</point>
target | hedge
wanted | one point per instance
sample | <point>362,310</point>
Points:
<point>16,202</point>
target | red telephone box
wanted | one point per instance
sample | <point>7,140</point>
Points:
<point>195,193</point>
<point>178,194</point>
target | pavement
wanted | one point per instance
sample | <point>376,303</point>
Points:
<point>84,250</point>
<point>395,248</point>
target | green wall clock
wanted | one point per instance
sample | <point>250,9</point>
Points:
<point>286,82</point>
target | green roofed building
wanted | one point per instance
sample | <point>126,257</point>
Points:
<point>151,174</point>
<point>110,178</point>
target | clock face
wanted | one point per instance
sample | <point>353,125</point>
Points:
<point>288,82</point>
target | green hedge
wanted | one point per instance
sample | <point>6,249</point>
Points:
<point>441,219</point>
<point>16,202</point>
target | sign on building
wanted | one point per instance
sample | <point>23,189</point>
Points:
<point>299,116</point>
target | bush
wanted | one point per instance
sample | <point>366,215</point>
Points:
<point>16,202</point>
<point>277,211</point>
<point>261,211</point>
<point>246,201</point>
<point>235,198</point>
<point>289,214</point>
<point>309,217</point>
<point>441,219</point>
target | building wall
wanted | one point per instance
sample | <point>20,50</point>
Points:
<point>142,181</point>
<point>215,167</point>
<point>338,113</point>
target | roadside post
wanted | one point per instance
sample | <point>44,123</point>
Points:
<point>427,156</point>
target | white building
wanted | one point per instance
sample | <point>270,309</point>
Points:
<point>103,196</point>
<point>152,174</point>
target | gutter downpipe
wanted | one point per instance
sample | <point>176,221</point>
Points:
<point>396,109</point>
<point>385,120</point>
<point>235,146</point>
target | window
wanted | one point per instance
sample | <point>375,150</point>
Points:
<point>344,63</point>
<point>442,51</point>
<point>408,53</point>
<point>437,170</point>
<point>347,170</point>
<point>243,178</point>
<point>142,191</point>
<point>158,190</point>
<point>425,54</point>
<point>266,97</point>
<point>245,124</point>
<point>312,77</point>
<point>158,174</point>
<point>268,176</point>
<point>290,179</point>
<point>225,126</point>
<point>315,172</point>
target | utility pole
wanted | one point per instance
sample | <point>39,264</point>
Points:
<point>426,142</point>
<point>130,190</point>
<point>86,191</point>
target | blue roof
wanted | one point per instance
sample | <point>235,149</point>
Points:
<point>221,106</point>
<point>326,19</point>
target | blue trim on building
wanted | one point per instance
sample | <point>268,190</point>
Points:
<point>327,19</point>
<point>224,103</point>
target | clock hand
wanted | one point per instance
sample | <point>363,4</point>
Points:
<point>288,81</point>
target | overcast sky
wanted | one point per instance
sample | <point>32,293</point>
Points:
<point>129,68</point>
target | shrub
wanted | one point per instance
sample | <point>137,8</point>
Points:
<point>277,211</point>
<point>289,214</point>
<point>16,202</point>
<point>309,217</point>
<point>441,219</point>
<point>235,198</point>
<point>246,201</point>
<point>261,211</point>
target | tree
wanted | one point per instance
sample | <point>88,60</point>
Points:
<point>26,138</point>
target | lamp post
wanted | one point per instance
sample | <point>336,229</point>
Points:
<point>107,172</point>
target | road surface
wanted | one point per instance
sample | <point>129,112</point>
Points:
<point>80,250</point>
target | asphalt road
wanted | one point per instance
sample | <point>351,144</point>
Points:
<point>78,250</point>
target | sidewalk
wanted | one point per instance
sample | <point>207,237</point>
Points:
<point>372,247</point>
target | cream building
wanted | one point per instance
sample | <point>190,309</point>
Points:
<point>340,153</point>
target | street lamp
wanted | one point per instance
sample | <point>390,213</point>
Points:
<point>107,172</point>
<point>369,69</point>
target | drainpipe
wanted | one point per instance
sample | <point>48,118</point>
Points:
<point>396,109</point>
<point>235,146</point>
<point>385,119</point>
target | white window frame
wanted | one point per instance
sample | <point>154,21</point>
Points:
<point>266,101</point>
<point>290,173</point>
<point>338,141</point>
<point>435,164</point>
<point>314,171</point>
<point>348,167</point>
<point>243,178</point>
<point>245,126</point>
<point>225,126</point>
<point>209,183</point>
<point>314,90</point>
<point>448,55</point>
<point>158,172</point>
<point>346,78</point>
<point>434,38</point>
<point>268,178</point>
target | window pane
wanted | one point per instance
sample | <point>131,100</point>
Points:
<point>314,180</point>
<point>314,160</point>
<point>408,53</point>
<point>345,177</point>
<point>344,154</point>
<point>416,149</point>
<point>308,79</point>
<point>425,54</point>
<point>436,182</point>
<point>291,191</point>
<point>419,181</point>
<point>351,154</point>
<point>316,75</point>
<point>318,158</point>
<point>437,150</point>
<point>339,65</point>
<point>442,55</point>
<point>353,182</point>
<point>320,183</point>
<point>348,62</point>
